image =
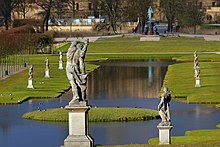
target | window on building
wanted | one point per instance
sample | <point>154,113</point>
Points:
<point>77,6</point>
<point>213,4</point>
<point>90,6</point>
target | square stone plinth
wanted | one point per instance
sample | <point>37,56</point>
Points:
<point>78,141</point>
<point>164,135</point>
<point>30,84</point>
<point>78,127</point>
<point>197,83</point>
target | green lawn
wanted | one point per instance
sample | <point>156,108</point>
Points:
<point>14,88</point>
<point>195,137</point>
<point>127,48</point>
<point>210,82</point>
<point>96,114</point>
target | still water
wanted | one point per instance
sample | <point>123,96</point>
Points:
<point>115,84</point>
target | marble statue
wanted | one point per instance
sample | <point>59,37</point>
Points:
<point>47,68</point>
<point>31,72</point>
<point>47,63</point>
<point>75,71</point>
<point>163,108</point>
<point>61,56</point>
<point>30,79</point>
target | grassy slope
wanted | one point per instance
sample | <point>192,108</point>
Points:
<point>198,137</point>
<point>210,81</point>
<point>96,114</point>
<point>17,84</point>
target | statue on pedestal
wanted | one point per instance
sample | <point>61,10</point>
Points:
<point>75,71</point>
<point>47,68</point>
<point>30,79</point>
<point>61,60</point>
<point>163,108</point>
<point>31,72</point>
<point>61,56</point>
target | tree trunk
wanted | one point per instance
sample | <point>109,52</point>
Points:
<point>194,29</point>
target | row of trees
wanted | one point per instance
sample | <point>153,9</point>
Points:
<point>184,12</point>
<point>14,51</point>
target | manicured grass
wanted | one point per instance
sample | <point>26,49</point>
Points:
<point>195,137</point>
<point>62,47</point>
<point>133,45</point>
<point>14,88</point>
<point>96,114</point>
<point>210,82</point>
<point>167,44</point>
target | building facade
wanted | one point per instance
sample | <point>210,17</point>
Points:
<point>83,9</point>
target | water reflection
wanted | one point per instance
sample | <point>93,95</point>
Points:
<point>127,79</point>
<point>116,90</point>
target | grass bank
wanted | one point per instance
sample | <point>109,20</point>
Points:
<point>180,79</point>
<point>194,138</point>
<point>96,114</point>
<point>14,89</point>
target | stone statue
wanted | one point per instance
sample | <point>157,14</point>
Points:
<point>163,108</point>
<point>150,13</point>
<point>47,63</point>
<point>75,71</point>
<point>61,56</point>
<point>31,72</point>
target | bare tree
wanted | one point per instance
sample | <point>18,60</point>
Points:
<point>195,14</point>
<point>60,7</point>
<point>171,8</point>
<point>112,9</point>
<point>6,7</point>
<point>46,6</point>
<point>137,9</point>
<point>72,7</point>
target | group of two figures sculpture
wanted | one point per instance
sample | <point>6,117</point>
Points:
<point>75,71</point>
<point>196,69</point>
<point>163,108</point>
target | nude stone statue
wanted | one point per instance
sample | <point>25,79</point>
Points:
<point>47,63</point>
<point>75,71</point>
<point>31,72</point>
<point>163,108</point>
<point>61,56</point>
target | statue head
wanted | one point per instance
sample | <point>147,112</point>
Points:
<point>79,46</point>
<point>165,89</point>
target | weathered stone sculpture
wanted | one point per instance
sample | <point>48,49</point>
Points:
<point>47,68</point>
<point>196,69</point>
<point>163,108</point>
<point>61,60</point>
<point>30,79</point>
<point>78,108</point>
<point>165,125</point>
<point>75,70</point>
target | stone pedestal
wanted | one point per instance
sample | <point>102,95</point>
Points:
<point>78,127</point>
<point>197,82</point>
<point>164,135</point>
<point>30,84</point>
<point>47,73</point>
<point>60,65</point>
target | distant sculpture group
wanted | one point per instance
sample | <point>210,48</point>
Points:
<point>75,71</point>
<point>196,69</point>
<point>30,79</point>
